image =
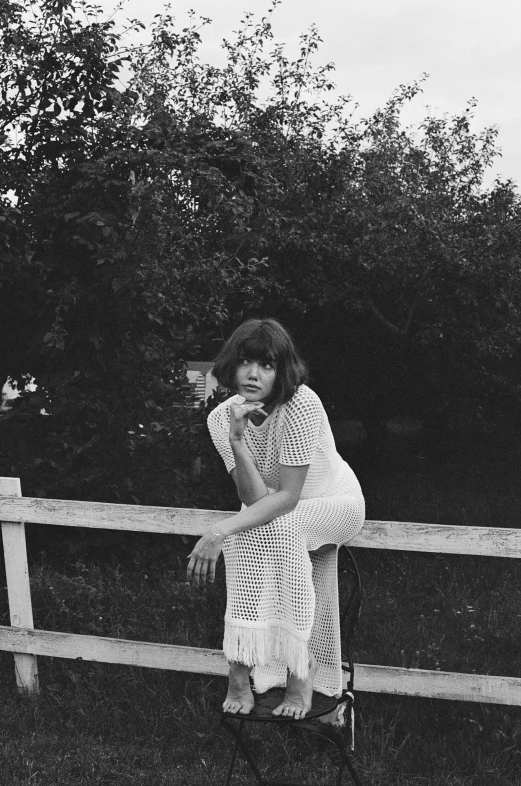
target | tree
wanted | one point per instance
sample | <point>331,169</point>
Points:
<point>86,306</point>
<point>142,221</point>
<point>417,267</point>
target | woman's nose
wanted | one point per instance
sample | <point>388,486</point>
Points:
<point>254,370</point>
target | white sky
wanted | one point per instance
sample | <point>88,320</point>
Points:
<point>470,48</point>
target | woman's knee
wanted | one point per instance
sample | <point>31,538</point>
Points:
<point>323,549</point>
<point>287,532</point>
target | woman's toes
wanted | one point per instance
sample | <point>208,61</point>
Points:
<point>232,706</point>
<point>238,707</point>
<point>289,711</point>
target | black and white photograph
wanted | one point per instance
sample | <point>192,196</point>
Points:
<point>260,366</point>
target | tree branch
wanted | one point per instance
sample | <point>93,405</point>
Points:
<point>384,321</point>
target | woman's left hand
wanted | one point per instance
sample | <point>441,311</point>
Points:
<point>204,558</point>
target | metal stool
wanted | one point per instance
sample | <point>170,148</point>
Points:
<point>342,737</point>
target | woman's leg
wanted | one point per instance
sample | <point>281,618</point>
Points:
<point>270,600</point>
<point>272,583</point>
<point>299,694</point>
<point>324,641</point>
<point>239,698</point>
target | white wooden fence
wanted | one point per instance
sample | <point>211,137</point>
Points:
<point>27,643</point>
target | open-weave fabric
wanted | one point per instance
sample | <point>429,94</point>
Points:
<point>281,600</point>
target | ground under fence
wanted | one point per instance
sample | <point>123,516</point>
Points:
<point>26,643</point>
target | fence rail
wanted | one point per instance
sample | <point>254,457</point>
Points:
<point>26,643</point>
<point>402,536</point>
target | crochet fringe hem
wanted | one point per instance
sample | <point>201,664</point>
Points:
<point>261,646</point>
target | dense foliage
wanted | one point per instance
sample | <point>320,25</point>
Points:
<point>150,201</point>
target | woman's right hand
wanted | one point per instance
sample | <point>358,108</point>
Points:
<point>239,414</point>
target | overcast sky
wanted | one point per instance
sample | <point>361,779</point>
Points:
<point>470,48</point>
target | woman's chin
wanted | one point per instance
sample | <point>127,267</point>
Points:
<point>250,396</point>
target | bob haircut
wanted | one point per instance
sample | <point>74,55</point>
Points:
<point>263,340</point>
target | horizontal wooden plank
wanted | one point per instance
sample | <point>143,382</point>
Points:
<point>440,538</point>
<point>106,515</point>
<point>373,679</point>
<point>483,688</point>
<point>404,536</point>
<point>107,650</point>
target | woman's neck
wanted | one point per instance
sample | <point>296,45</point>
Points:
<point>257,418</point>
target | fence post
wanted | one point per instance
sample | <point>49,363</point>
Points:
<point>18,589</point>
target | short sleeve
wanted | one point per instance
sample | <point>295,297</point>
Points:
<point>219,428</point>
<point>303,422</point>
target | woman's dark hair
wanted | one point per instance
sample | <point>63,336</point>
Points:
<point>267,341</point>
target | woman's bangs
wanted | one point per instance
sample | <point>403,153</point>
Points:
<point>258,347</point>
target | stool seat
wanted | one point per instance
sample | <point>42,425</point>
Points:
<point>265,703</point>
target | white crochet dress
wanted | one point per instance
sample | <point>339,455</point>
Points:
<point>279,600</point>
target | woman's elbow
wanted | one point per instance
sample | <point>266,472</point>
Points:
<point>290,501</point>
<point>251,499</point>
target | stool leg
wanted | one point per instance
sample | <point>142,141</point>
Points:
<point>239,743</point>
<point>353,773</point>
<point>232,762</point>
<point>345,761</point>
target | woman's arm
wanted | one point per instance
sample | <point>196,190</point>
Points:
<point>250,485</point>
<point>204,556</point>
<point>247,478</point>
<point>268,507</point>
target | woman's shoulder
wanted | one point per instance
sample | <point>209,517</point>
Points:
<point>304,398</point>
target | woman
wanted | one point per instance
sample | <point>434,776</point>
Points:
<point>300,501</point>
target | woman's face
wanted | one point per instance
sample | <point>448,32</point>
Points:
<point>255,379</point>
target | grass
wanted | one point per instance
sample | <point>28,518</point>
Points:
<point>106,724</point>
<point>102,724</point>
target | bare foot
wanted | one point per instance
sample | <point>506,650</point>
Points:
<point>239,699</point>
<point>299,694</point>
<point>334,718</point>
